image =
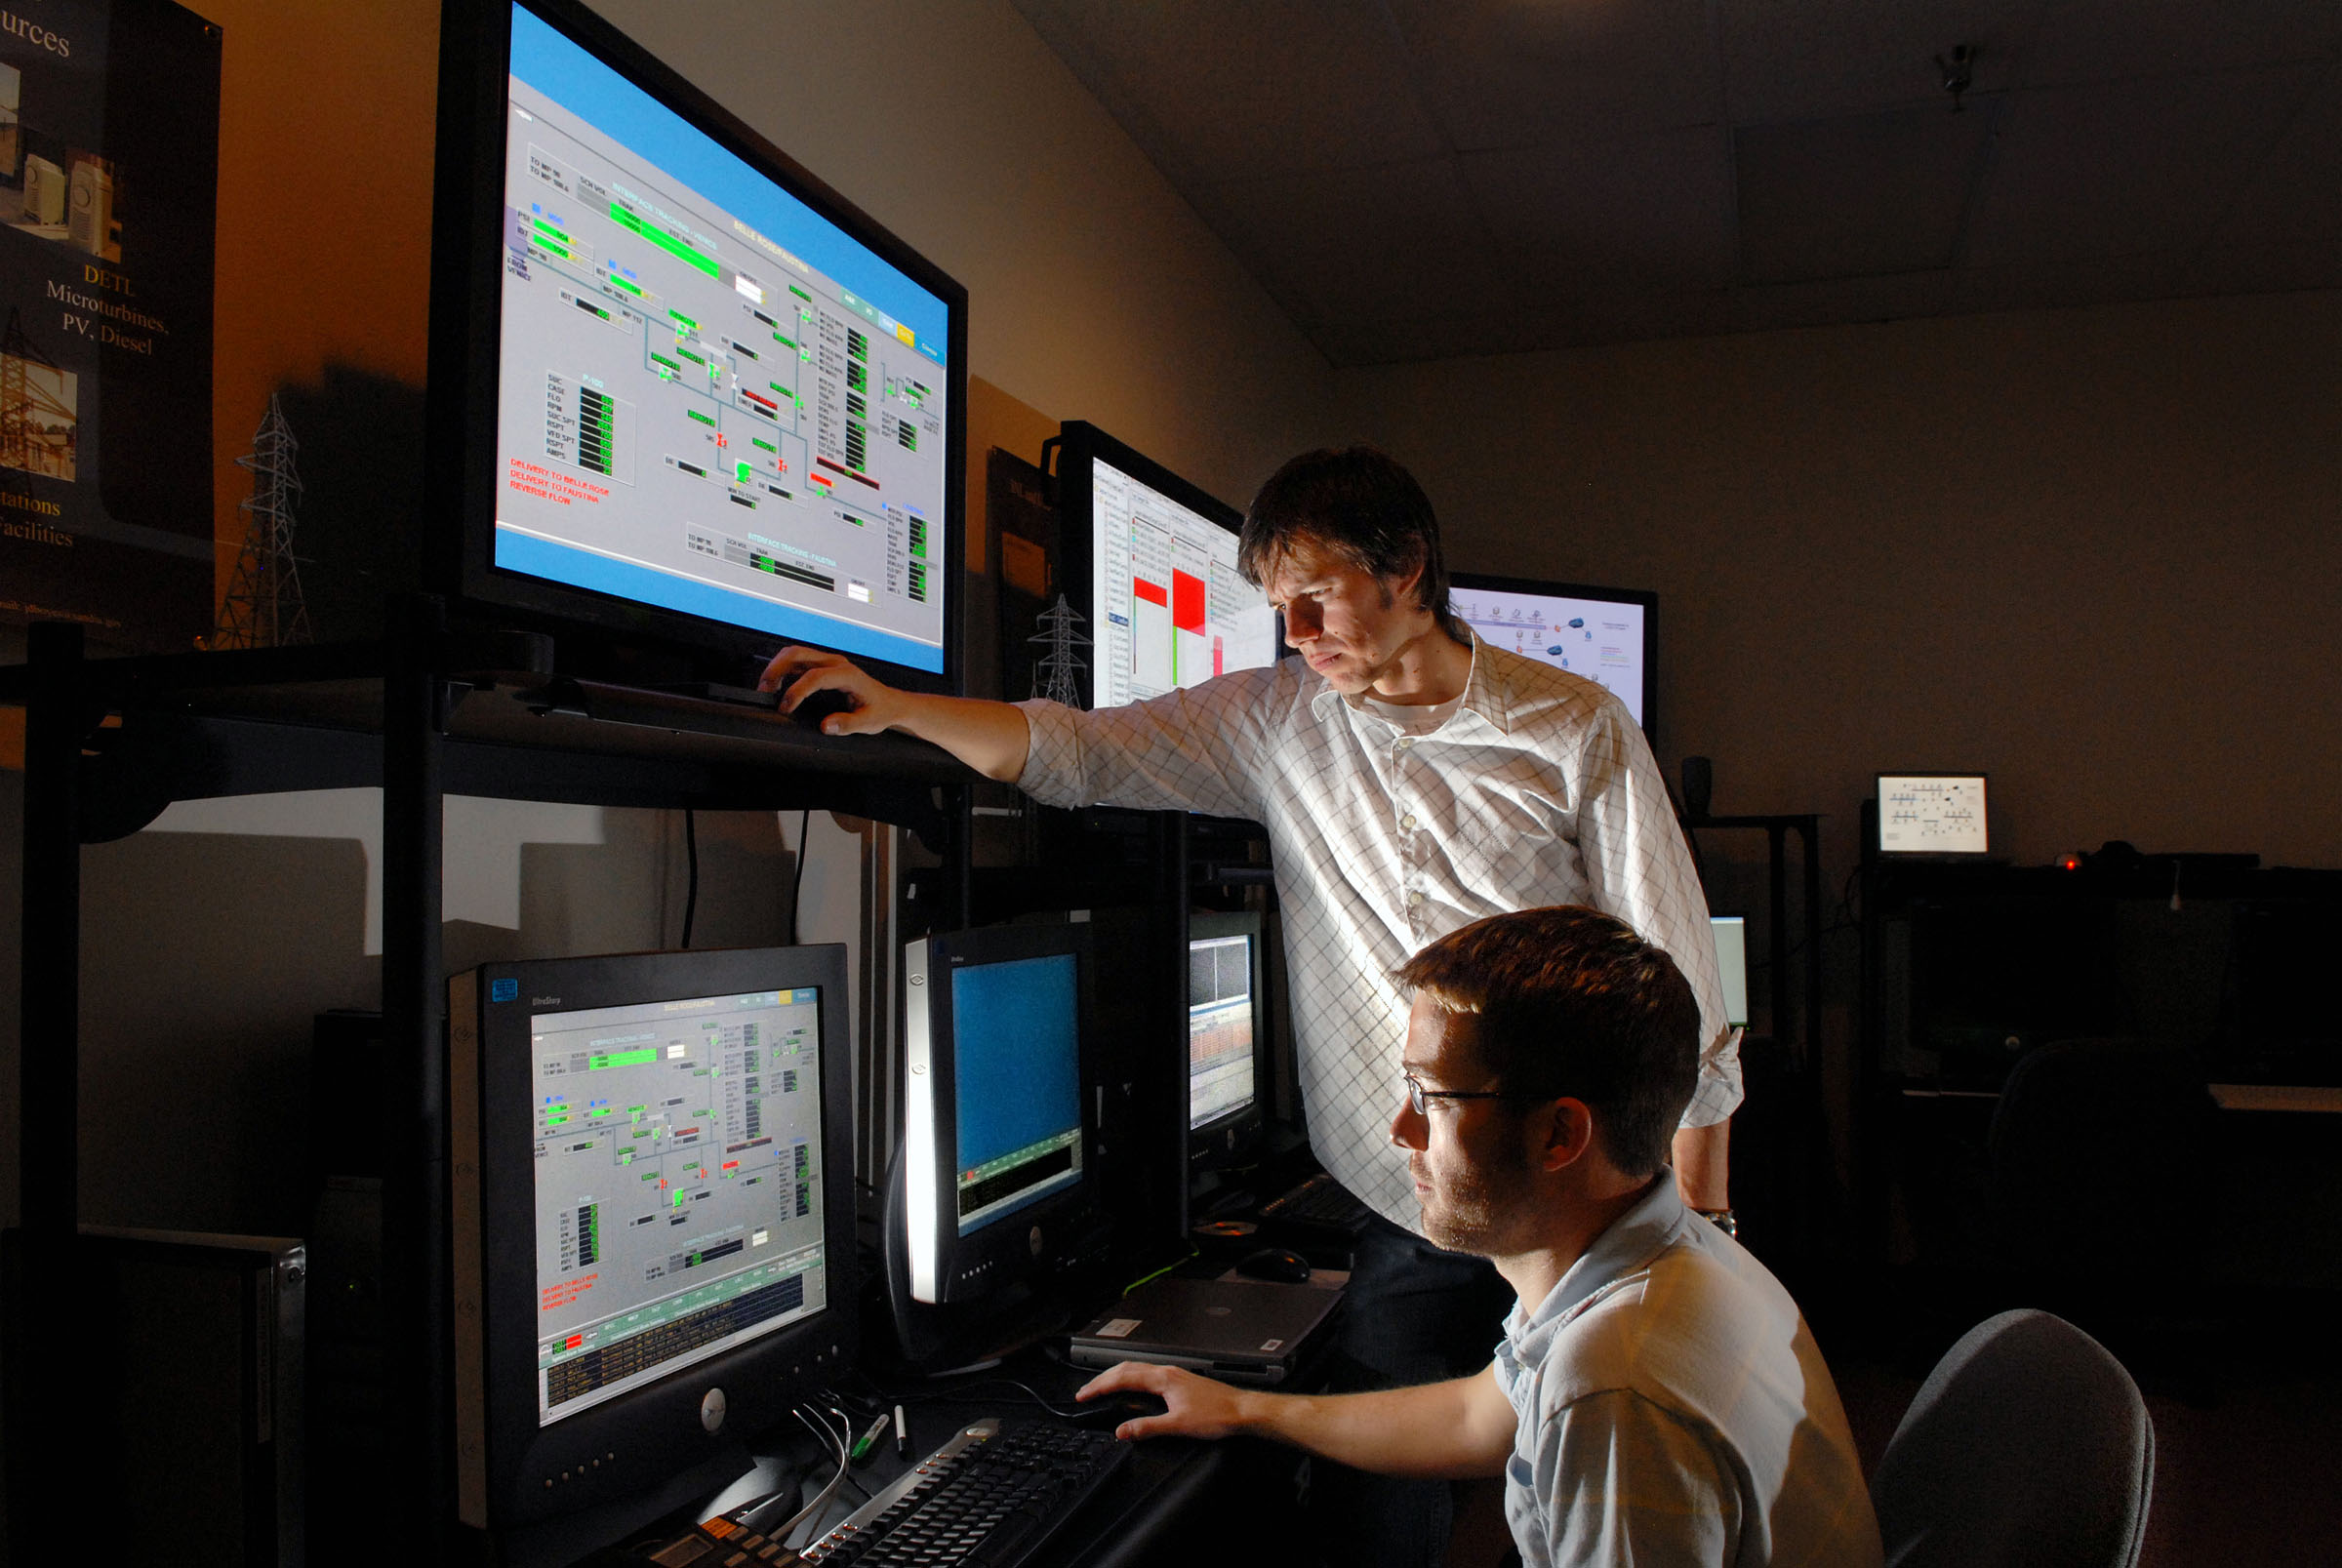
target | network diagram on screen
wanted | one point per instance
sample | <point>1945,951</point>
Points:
<point>678,1170</point>
<point>1599,639</point>
<point>1931,814</point>
<point>692,413</point>
<point>1172,608</point>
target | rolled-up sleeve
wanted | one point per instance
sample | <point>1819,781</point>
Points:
<point>1195,749</point>
<point>1639,869</point>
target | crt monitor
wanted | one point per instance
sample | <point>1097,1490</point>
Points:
<point>1608,635</point>
<point>1151,563</point>
<point>653,1217</point>
<point>999,1161</point>
<point>1227,1038</point>
<point>684,395</point>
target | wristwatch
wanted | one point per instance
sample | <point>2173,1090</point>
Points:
<point>1723,1221</point>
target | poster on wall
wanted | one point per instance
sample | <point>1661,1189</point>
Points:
<point>109,137</point>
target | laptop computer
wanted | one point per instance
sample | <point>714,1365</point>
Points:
<point>1247,1331</point>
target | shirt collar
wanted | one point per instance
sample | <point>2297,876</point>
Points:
<point>1635,1238</point>
<point>1481,695</point>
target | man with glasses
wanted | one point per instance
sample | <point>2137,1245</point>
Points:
<point>1657,1396</point>
<point>1412,779</point>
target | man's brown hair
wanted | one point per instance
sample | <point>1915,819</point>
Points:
<point>1568,1001</point>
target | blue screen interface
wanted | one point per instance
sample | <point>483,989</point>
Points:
<point>1017,1073</point>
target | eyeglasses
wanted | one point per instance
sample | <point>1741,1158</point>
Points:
<point>1417,1094</point>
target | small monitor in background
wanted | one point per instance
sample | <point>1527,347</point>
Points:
<point>1227,1038</point>
<point>1732,965</point>
<point>1607,635</point>
<point>1931,814</point>
<point>999,1085</point>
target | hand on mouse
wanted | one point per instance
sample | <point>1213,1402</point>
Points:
<point>1196,1407</point>
<point>800,672</point>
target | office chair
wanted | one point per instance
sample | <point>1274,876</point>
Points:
<point>2028,1444</point>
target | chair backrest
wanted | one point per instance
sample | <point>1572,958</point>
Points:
<point>2028,1444</point>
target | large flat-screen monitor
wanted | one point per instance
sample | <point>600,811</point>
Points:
<point>1227,1038</point>
<point>1608,635</point>
<point>1151,565</point>
<point>682,392</point>
<point>999,1159</point>
<point>653,1215</point>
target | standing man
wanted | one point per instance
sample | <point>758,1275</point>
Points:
<point>1657,1396</point>
<point>1412,780</point>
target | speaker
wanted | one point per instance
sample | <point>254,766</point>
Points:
<point>1698,784</point>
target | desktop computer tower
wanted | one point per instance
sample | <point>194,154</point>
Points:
<point>191,1436</point>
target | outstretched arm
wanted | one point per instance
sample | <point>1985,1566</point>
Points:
<point>989,737</point>
<point>1445,1431</point>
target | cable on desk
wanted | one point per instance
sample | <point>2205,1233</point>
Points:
<point>691,857</point>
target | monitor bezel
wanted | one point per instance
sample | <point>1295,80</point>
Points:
<point>1877,844</point>
<point>1647,598</point>
<point>944,1266</point>
<point>1080,445</point>
<point>625,1446</point>
<point>465,328</point>
<point>1229,1138</point>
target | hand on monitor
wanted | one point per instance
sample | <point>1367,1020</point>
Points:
<point>1194,1406</point>
<point>861,705</point>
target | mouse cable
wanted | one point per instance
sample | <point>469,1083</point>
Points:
<point>741,1514</point>
<point>966,1394</point>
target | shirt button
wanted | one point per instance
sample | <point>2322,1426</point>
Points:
<point>1406,742</point>
<point>1407,822</point>
<point>1415,899</point>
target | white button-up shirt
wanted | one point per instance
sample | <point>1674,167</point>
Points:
<point>1538,790</point>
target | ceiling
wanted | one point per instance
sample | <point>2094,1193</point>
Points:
<point>1416,180</point>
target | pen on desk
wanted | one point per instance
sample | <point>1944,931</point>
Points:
<point>901,1434</point>
<point>867,1441</point>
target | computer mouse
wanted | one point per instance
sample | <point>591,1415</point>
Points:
<point>819,706</point>
<point>1275,1263</point>
<point>1124,1404</point>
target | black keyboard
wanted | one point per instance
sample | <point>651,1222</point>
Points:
<point>1319,1203</point>
<point>984,1500</point>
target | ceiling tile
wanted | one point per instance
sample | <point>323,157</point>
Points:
<point>1369,246</point>
<point>1870,193</point>
<point>2296,194</point>
<point>2138,166</point>
<point>1498,73</point>
<point>1223,90</point>
<point>1900,298</point>
<point>1647,214</point>
<point>2104,40</point>
<point>1791,59</point>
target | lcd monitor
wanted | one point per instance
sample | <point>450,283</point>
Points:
<point>682,393</point>
<point>1931,814</point>
<point>1731,933</point>
<point>1227,1038</point>
<point>1607,635</point>
<point>1150,566</point>
<point>998,1164</point>
<point>653,1217</point>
